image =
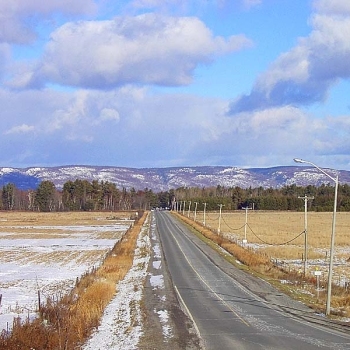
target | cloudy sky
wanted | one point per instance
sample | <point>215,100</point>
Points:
<point>160,83</point>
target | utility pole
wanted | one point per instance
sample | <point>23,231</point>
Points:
<point>189,208</point>
<point>195,211</point>
<point>306,198</point>
<point>246,223</point>
<point>219,228</point>
<point>205,205</point>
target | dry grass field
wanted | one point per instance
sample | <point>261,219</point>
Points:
<point>47,252</point>
<point>280,235</point>
<point>59,218</point>
<point>66,316</point>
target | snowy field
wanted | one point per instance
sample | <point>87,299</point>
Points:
<point>49,258</point>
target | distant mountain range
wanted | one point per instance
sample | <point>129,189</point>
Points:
<point>163,179</point>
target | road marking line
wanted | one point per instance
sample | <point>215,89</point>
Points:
<point>188,311</point>
<point>200,277</point>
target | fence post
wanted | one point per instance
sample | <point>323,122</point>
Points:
<point>39,302</point>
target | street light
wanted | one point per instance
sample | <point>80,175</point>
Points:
<point>335,179</point>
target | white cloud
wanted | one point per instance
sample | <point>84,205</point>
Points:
<point>185,5</point>
<point>5,53</point>
<point>18,18</point>
<point>330,47</point>
<point>276,135</point>
<point>159,4</point>
<point>71,114</point>
<point>100,128</point>
<point>109,114</point>
<point>332,7</point>
<point>274,120</point>
<point>117,119</point>
<point>251,3</point>
<point>147,49</point>
<point>20,129</point>
<point>304,74</point>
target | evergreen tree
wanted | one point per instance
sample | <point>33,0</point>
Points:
<point>45,195</point>
<point>8,196</point>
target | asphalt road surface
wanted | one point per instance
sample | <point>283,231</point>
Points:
<point>226,313</point>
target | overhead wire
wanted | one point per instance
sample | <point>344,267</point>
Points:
<point>231,228</point>
<point>275,244</point>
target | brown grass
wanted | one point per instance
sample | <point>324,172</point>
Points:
<point>65,323</point>
<point>276,227</point>
<point>279,234</point>
<point>49,218</point>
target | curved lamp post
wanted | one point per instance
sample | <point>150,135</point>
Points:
<point>330,272</point>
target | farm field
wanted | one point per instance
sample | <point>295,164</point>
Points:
<point>44,253</point>
<point>280,235</point>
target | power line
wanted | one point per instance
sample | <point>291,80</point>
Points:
<point>272,244</point>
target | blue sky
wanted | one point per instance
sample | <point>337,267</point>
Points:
<point>160,83</point>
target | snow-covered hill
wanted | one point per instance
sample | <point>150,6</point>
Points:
<point>162,179</point>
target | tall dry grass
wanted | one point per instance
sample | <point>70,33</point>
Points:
<point>248,257</point>
<point>66,322</point>
<point>279,234</point>
<point>276,227</point>
<point>62,218</point>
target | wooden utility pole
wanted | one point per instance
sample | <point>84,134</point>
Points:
<point>306,199</point>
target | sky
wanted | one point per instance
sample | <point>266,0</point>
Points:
<point>166,83</point>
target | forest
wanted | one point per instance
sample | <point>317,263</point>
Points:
<point>82,195</point>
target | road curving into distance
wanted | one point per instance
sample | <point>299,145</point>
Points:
<point>226,313</point>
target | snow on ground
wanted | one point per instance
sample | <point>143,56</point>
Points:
<point>158,286</point>
<point>121,324</point>
<point>47,259</point>
<point>50,258</point>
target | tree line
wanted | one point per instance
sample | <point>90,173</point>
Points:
<point>82,195</point>
<point>284,198</point>
<point>78,195</point>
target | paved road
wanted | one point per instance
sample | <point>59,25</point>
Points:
<point>228,315</point>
